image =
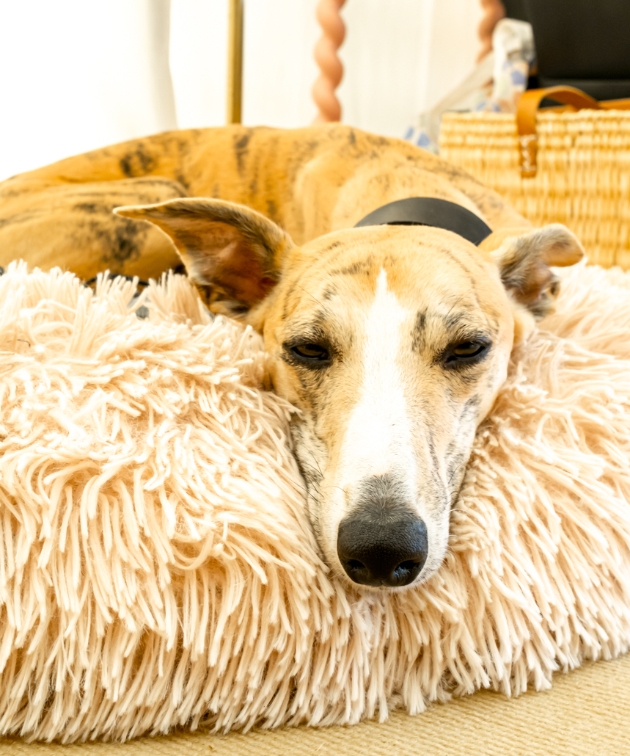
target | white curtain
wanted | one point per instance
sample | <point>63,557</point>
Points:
<point>80,74</point>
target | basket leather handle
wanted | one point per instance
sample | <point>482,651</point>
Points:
<point>527,110</point>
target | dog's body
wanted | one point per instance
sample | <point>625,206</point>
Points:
<point>392,341</point>
<point>309,181</point>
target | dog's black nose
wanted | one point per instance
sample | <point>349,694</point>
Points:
<point>382,552</point>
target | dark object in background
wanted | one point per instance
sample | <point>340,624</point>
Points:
<point>516,9</point>
<point>580,43</point>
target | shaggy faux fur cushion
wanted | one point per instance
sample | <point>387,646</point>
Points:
<point>157,567</point>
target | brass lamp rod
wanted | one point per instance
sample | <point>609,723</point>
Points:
<point>235,62</point>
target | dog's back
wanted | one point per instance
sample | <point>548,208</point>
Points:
<point>310,181</point>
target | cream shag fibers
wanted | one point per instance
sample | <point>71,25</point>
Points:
<point>157,568</point>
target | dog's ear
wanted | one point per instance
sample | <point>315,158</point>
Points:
<point>232,253</point>
<point>524,262</point>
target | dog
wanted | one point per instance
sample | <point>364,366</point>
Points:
<point>391,341</point>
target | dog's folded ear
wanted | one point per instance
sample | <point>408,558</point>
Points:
<point>524,262</point>
<point>232,253</point>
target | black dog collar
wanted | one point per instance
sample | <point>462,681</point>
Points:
<point>428,211</point>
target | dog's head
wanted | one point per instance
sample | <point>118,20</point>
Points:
<point>393,342</point>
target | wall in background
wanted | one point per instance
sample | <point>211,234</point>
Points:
<point>198,55</point>
<point>402,56</point>
<point>76,75</point>
<point>279,65</point>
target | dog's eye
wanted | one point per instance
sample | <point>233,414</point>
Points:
<point>310,353</point>
<point>466,352</point>
<point>468,349</point>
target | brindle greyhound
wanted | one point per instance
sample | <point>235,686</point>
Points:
<point>391,340</point>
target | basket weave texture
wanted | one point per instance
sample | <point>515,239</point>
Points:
<point>583,177</point>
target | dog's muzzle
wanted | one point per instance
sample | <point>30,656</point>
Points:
<point>382,551</point>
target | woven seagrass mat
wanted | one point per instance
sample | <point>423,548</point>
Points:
<point>586,713</point>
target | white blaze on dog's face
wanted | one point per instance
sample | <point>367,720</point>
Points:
<point>393,342</point>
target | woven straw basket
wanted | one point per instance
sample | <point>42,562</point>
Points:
<point>568,165</point>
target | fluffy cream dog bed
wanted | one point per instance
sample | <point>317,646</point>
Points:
<point>157,567</point>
